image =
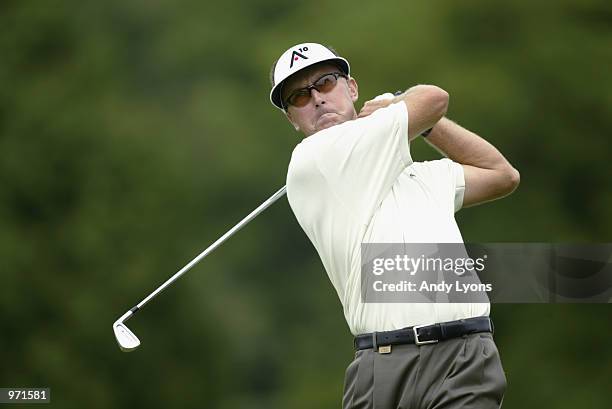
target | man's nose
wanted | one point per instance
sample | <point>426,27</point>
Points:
<point>317,97</point>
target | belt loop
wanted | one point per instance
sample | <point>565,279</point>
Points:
<point>374,342</point>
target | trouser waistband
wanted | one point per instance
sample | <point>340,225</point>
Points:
<point>424,334</point>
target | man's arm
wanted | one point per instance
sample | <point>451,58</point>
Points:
<point>425,104</point>
<point>488,175</point>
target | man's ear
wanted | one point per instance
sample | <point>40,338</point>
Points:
<point>353,89</point>
<point>295,125</point>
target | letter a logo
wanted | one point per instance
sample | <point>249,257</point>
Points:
<point>297,55</point>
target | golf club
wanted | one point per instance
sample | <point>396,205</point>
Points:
<point>125,338</point>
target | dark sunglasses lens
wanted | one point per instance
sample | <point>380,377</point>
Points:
<point>326,83</point>
<point>300,98</point>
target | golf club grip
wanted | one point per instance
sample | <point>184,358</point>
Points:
<point>279,193</point>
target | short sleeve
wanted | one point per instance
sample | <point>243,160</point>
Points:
<point>458,176</point>
<point>360,160</point>
<point>445,179</point>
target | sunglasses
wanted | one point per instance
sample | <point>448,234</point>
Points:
<point>324,84</point>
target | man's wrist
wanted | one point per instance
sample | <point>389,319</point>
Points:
<point>427,132</point>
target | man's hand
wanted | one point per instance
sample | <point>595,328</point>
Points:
<point>425,104</point>
<point>374,104</point>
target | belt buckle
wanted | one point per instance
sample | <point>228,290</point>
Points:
<point>415,330</point>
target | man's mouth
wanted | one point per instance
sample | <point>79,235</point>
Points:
<point>326,117</point>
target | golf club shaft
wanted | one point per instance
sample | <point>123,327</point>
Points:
<point>281,192</point>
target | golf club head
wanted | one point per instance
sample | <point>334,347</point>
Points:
<point>125,338</point>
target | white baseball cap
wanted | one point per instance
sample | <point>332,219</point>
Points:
<point>297,58</point>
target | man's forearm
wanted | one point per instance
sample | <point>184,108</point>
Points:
<point>426,105</point>
<point>464,146</point>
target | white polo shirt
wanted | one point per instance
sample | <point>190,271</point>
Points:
<point>356,183</point>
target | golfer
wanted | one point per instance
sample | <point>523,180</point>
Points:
<point>352,180</point>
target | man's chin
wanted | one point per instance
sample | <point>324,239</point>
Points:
<point>326,125</point>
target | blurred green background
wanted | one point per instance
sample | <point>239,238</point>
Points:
<point>133,134</point>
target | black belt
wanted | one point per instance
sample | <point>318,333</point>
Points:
<point>424,334</point>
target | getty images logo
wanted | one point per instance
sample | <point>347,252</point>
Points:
<point>298,54</point>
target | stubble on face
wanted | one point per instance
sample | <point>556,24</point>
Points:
<point>323,110</point>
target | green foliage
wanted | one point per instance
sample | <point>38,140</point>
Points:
<point>133,134</point>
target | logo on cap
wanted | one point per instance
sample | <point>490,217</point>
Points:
<point>296,55</point>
